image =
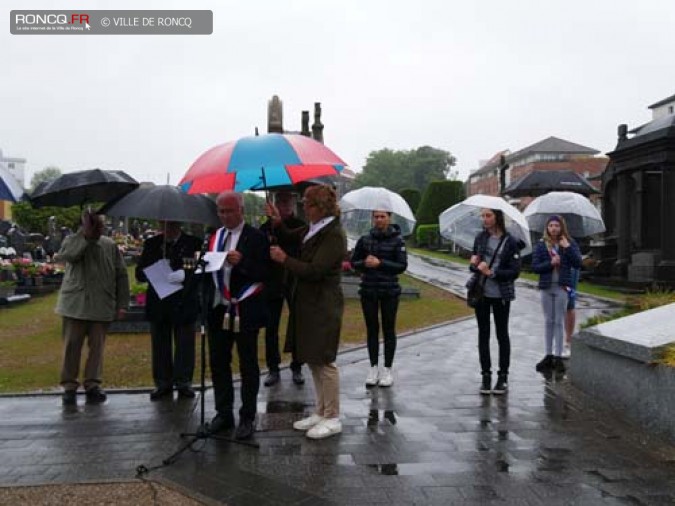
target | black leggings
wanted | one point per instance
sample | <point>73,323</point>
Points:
<point>500,309</point>
<point>388,307</point>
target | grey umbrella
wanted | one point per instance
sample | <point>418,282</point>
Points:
<point>164,202</point>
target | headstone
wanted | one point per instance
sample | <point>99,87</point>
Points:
<point>643,266</point>
<point>617,362</point>
<point>17,240</point>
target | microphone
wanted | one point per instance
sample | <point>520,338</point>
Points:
<point>201,262</point>
<point>207,241</point>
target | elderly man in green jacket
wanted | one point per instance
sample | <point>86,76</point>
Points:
<point>94,292</point>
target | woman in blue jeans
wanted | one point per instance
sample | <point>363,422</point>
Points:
<point>555,256</point>
<point>496,262</point>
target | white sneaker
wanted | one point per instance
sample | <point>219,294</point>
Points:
<point>386,379</point>
<point>372,378</point>
<point>566,351</point>
<point>326,428</point>
<point>307,423</point>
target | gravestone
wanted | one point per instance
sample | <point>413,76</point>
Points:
<point>617,362</point>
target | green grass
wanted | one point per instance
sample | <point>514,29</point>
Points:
<point>669,356</point>
<point>31,347</point>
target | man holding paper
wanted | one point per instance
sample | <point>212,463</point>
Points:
<point>237,311</point>
<point>172,308</point>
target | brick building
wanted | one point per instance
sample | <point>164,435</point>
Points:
<point>549,154</point>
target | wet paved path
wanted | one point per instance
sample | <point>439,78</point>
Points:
<point>429,439</point>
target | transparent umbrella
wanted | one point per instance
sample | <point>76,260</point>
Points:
<point>582,217</point>
<point>461,223</point>
<point>357,207</point>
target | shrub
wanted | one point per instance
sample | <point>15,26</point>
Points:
<point>427,235</point>
<point>438,196</point>
<point>413,197</point>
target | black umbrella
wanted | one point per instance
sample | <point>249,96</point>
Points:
<point>166,203</point>
<point>84,187</point>
<point>540,182</point>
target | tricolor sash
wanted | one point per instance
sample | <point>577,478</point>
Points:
<point>231,320</point>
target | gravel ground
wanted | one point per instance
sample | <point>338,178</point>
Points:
<point>99,494</point>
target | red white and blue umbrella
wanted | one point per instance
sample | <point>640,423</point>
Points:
<point>260,162</point>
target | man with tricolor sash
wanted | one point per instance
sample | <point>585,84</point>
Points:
<point>237,311</point>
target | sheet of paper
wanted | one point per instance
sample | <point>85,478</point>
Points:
<point>214,261</point>
<point>158,277</point>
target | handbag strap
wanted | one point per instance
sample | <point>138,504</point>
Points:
<point>494,255</point>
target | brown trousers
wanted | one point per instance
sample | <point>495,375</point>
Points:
<point>327,386</point>
<point>74,334</point>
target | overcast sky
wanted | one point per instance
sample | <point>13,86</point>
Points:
<point>469,77</point>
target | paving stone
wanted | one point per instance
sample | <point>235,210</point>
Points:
<point>429,439</point>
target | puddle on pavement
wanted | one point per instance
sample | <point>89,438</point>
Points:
<point>384,469</point>
<point>375,417</point>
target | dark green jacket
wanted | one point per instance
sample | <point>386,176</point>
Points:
<point>95,285</point>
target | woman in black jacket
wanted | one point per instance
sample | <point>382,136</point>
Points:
<point>380,256</point>
<point>494,242</point>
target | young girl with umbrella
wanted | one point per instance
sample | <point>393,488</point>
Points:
<point>555,255</point>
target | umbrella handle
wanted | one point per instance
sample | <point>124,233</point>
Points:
<point>264,182</point>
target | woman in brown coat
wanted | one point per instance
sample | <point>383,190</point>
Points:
<point>317,303</point>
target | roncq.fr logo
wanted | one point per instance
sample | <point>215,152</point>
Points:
<point>51,19</point>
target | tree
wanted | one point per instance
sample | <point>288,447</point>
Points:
<point>439,196</point>
<point>254,208</point>
<point>413,197</point>
<point>397,170</point>
<point>48,174</point>
<point>36,220</point>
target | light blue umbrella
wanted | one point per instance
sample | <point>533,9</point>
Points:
<point>10,189</point>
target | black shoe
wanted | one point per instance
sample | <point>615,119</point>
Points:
<point>558,365</point>
<point>186,392</point>
<point>69,398</point>
<point>245,430</point>
<point>272,378</point>
<point>298,378</point>
<point>486,385</point>
<point>501,386</point>
<point>546,364</point>
<point>221,423</point>
<point>159,393</point>
<point>95,396</point>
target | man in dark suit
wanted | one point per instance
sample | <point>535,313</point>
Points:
<point>237,311</point>
<point>174,317</point>
<point>278,288</point>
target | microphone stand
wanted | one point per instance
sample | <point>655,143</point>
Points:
<point>203,431</point>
